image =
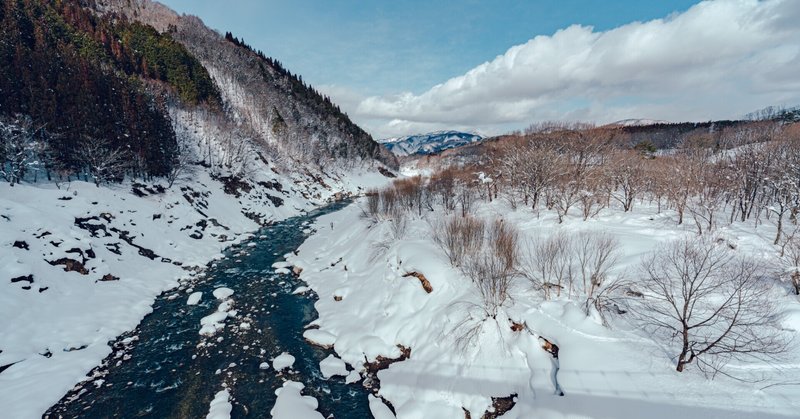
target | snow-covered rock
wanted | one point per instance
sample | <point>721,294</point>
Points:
<point>291,404</point>
<point>332,366</point>
<point>222,293</point>
<point>283,361</point>
<point>194,298</point>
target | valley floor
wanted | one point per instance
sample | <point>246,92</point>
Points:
<point>82,265</point>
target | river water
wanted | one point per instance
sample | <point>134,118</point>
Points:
<point>171,371</point>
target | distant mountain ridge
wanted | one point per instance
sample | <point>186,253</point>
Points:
<point>430,143</point>
<point>634,122</point>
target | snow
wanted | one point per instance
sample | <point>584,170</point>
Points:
<point>220,407</point>
<point>194,298</point>
<point>332,366</point>
<point>606,372</point>
<point>319,337</point>
<point>637,122</point>
<point>430,143</point>
<point>353,377</point>
<point>222,293</point>
<point>64,311</point>
<point>213,323</point>
<point>378,409</point>
<point>283,361</point>
<point>291,404</point>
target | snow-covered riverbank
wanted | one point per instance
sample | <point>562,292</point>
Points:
<point>368,306</point>
<point>81,265</point>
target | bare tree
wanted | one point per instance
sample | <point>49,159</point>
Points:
<point>710,304</point>
<point>626,177</point>
<point>790,257</point>
<point>102,161</point>
<point>182,164</point>
<point>596,254</point>
<point>679,185</point>
<point>547,263</point>
<point>593,196</point>
<point>19,148</point>
<point>710,187</point>
<point>782,182</point>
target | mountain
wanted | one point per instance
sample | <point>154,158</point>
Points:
<point>129,77</point>
<point>636,122</point>
<point>431,143</point>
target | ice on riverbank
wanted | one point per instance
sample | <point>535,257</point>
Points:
<point>220,407</point>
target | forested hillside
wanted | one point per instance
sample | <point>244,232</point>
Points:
<point>91,93</point>
<point>274,107</point>
<point>61,74</point>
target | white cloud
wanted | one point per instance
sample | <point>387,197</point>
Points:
<point>719,59</point>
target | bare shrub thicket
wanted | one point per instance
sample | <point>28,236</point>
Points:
<point>493,270</point>
<point>576,265</point>
<point>708,304</point>
<point>459,238</point>
<point>491,265</point>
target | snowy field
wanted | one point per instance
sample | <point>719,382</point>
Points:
<point>367,308</point>
<point>81,265</point>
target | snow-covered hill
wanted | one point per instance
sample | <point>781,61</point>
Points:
<point>636,122</point>
<point>431,143</point>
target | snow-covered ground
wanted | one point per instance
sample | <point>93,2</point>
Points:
<point>82,264</point>
<point>367,308</point>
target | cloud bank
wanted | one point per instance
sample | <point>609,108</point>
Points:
<point>719,59</point>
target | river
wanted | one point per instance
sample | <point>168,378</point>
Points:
<point>170,371</point>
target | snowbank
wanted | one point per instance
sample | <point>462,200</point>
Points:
<point>220,407</point>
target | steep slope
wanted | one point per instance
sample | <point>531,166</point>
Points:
<point>431,143</point>
<point>274,107</point>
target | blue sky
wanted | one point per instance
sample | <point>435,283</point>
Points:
<point>380,47</point>
<point>401,67</point>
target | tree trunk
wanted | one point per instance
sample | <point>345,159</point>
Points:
<point>780,228</point>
